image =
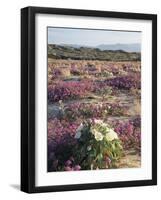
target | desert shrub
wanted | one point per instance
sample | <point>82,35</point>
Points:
<point>98,146</point>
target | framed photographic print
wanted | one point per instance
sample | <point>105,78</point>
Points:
<point>88,99</point>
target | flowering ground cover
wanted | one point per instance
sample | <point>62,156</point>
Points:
<point>93,114</point>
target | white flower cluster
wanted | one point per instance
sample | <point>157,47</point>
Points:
<point>110,134</point>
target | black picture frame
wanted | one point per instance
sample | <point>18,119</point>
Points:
<point>28,98</point>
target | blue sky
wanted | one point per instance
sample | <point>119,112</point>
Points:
<point>91,37</point>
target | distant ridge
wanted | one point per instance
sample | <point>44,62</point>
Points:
<point>133,47</point>
<point>90,53</point>
<point>136,47</point>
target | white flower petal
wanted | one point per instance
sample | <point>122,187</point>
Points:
<point>98,136</point>
<point>111,135</point>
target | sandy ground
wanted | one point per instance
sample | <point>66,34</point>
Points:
<point>130,160</point>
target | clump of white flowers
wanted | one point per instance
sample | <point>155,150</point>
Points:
<point>101,130</point>
<point>98,145</point>
<point>111,135</point>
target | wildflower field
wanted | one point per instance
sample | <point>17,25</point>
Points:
<point>94,110</point>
